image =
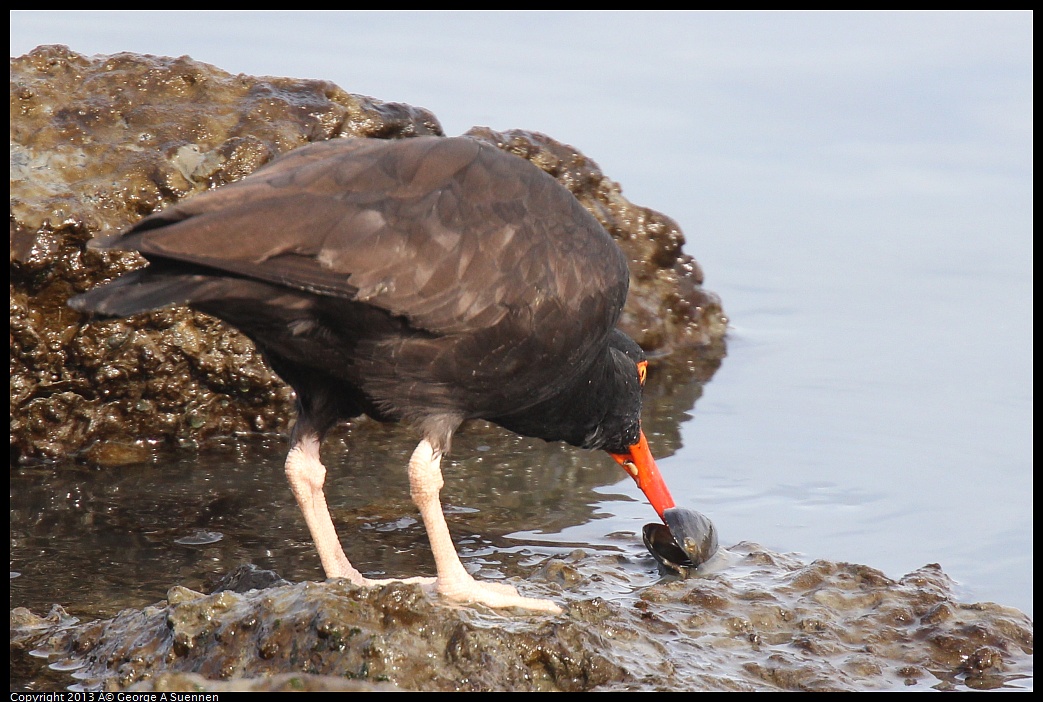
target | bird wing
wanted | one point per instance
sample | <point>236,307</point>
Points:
<point>452,234</point>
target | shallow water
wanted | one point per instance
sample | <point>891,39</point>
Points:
<point>109,543</point>
<point>858,189</point>
<point>100,540</point>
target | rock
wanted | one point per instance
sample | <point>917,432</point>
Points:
<point>99,142</point>
<point>767,621</point>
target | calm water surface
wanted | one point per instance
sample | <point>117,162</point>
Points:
<point>858,189</point>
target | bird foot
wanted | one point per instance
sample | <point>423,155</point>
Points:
<point>471,591</point>
<point>496,595</point>
<point>417,580</point>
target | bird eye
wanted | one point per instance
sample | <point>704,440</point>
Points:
<point>642,371</point>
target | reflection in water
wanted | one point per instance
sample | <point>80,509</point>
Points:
<point>100,540</point>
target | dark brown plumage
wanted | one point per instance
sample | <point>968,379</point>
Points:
<point>432,280</point>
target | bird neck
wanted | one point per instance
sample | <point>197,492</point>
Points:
<point>599,409</point>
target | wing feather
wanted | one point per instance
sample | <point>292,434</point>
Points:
<point>457,238</point>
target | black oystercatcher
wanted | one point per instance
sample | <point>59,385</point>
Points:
<point>431,280</point>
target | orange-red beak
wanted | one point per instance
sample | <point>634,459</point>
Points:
<point>638,462</point>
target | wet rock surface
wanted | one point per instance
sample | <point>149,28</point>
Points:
<point>755,620</point>
<point>99,142</point>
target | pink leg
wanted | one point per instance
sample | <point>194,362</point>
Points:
<point>453,582</point>
<point>306,474</point>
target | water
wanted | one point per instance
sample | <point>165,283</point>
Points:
<point>858,189</point>
<point>102,540</point>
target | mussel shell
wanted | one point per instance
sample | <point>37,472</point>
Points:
<point>686,541</point>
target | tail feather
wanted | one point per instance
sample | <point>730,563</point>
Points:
<point>145,291</point>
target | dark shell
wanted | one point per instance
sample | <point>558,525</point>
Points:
<point>686,541</point>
